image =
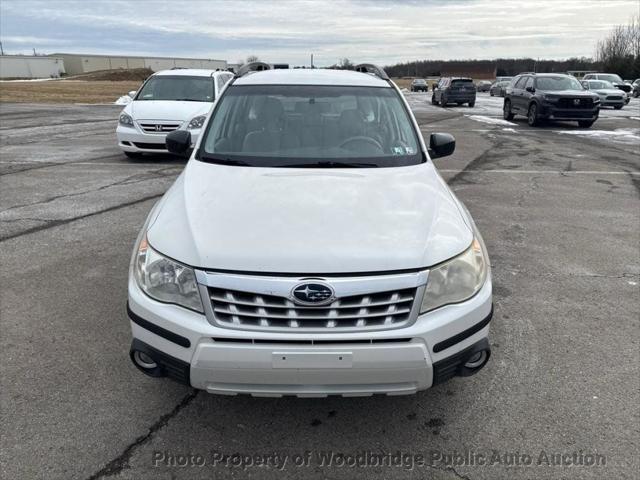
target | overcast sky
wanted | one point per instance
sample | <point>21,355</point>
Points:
<point>379,31</point>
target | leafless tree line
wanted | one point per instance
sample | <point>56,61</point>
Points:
<point>619,52</point>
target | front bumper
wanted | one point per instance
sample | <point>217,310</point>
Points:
<point>227,361</point>
<point>131,139</point>
<point>551,112</point>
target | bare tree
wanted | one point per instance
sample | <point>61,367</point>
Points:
<point>252,58</point>
<point>619,52</point>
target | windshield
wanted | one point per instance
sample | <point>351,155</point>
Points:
<point>462,82</point>
<point>179,87</point>
<point>610,78</point>
<point>558,83</point>
<point>311,126</point>
<point>599,85</point>
<point>419,80</point>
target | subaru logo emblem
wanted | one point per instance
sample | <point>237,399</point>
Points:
<point>311,293</point>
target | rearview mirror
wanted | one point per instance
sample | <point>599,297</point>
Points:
<point>178,141</point>
<point>441,145</point>
<point>132,93</point>
<point>530,89</point>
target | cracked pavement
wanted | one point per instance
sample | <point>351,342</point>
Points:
<point>560,217</point>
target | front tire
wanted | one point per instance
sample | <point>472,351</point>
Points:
<point>433,100</point>
<point>506,110</point>
<point>617,107</point>
<point>491,93</point>
<point>443,102</point>
<point>472,104</point>
<point>532,115</point>
<point>133,155</point>
<point>585,123</point>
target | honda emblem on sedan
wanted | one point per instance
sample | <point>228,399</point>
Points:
<point>312,294</point>
<point>158,128</point>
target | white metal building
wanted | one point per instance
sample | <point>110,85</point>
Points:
<point>26,66</point>
<point>76,63</point>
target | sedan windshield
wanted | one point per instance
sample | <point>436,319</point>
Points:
<point>178,87</point>
<point>600,85</point>
<point>419,81</point>
<point>310,126</point>
<point>558,83</point>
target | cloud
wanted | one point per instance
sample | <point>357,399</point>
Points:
<point>382,31</point>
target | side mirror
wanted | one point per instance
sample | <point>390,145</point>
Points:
<point>530,89</point>
<point>178,141</point>
<point>132,93</point>
<point>441,145</point>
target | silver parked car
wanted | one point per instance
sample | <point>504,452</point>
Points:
<point>610,96</point>
<point>499,88</point>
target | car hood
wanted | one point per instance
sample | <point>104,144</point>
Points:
<point>608,91</point>
<point>309,220</point>
<point>167,109</point>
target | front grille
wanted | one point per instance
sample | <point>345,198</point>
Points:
<point>572,114</point>
<point>570,103</point>
<point>150,146</point>
<point>159,127</point>
<point>249,310</point>
<point>614,97</point>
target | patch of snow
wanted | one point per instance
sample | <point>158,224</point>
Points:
<point>631,135</point>
<point>634,118</point>
<point>31,80</point>
<point>491,120</point>
<point>509,130</point>
<point>123,100</point>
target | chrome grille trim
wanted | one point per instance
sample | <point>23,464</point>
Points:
<point>159,127</point>
<point>263,303</point>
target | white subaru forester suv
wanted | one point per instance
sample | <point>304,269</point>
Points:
<point>168,100</point>
<point>310,247</point>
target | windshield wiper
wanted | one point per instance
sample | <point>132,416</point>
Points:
<point>188,100</point>
<point>222,160</point>
<point>328,164</point>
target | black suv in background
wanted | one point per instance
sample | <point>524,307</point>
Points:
<point>454,90</point>
<point>550,96</point>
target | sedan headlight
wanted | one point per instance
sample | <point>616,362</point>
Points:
<point>196,122</point>
<point>458,279</point>
<point>126,120</point>
<point>165,280</point>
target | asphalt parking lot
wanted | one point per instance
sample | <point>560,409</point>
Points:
<point>559,210</point>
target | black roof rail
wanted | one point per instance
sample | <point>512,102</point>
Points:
<point>252,67</point>
<point>372,69</point>
<point>178,68</point>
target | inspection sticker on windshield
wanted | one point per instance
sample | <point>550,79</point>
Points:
<point>398,150</point>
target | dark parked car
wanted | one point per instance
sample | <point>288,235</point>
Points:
<point>610,77</point>
<point>483,85</point>
<point>419,85</point>
<point>499,88</point>
<point>550,96</point>
<point>454,90</point>
<point>636,88</point>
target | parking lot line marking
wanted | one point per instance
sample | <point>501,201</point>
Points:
<point>544,172</point>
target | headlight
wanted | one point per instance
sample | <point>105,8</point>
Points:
<point>126,120</point>
<point>196,122</point>
<point>547,98</point>
<point>165,280</point>
<point>458,279</point>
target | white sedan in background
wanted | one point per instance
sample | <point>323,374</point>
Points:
<point>610,96</point>
<point>169,100</point>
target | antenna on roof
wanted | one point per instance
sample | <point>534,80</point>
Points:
<point>372,69</point>
<point>252,67</point>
